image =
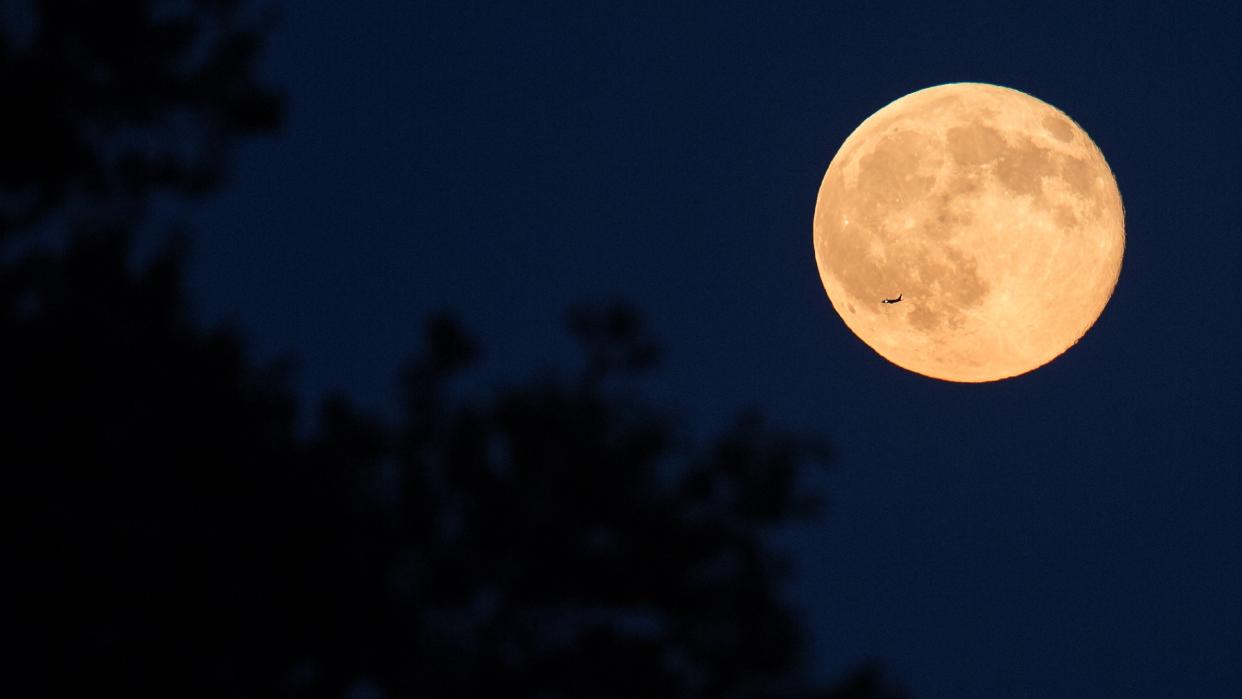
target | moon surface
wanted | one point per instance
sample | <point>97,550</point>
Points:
<point>992,214</point>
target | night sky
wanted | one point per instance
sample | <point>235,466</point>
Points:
<point>1076,531</point>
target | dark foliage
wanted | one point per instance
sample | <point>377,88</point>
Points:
<point>552,539</point>
<point>176,536</point>
<point>107,102</point>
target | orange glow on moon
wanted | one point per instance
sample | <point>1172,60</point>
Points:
<point>991,213</point>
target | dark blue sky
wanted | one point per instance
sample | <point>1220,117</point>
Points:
<point>1073,532</point>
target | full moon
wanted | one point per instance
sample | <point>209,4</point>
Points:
<point>969,232</point>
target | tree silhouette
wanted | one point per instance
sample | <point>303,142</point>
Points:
<point>107,102</point>
<point>178,537</point>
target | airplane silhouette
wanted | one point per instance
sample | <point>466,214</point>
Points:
<point>896,300</point>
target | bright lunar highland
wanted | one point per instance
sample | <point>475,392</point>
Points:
<point>991,214</point>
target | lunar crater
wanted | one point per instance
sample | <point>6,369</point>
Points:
<point>1059,128</point>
